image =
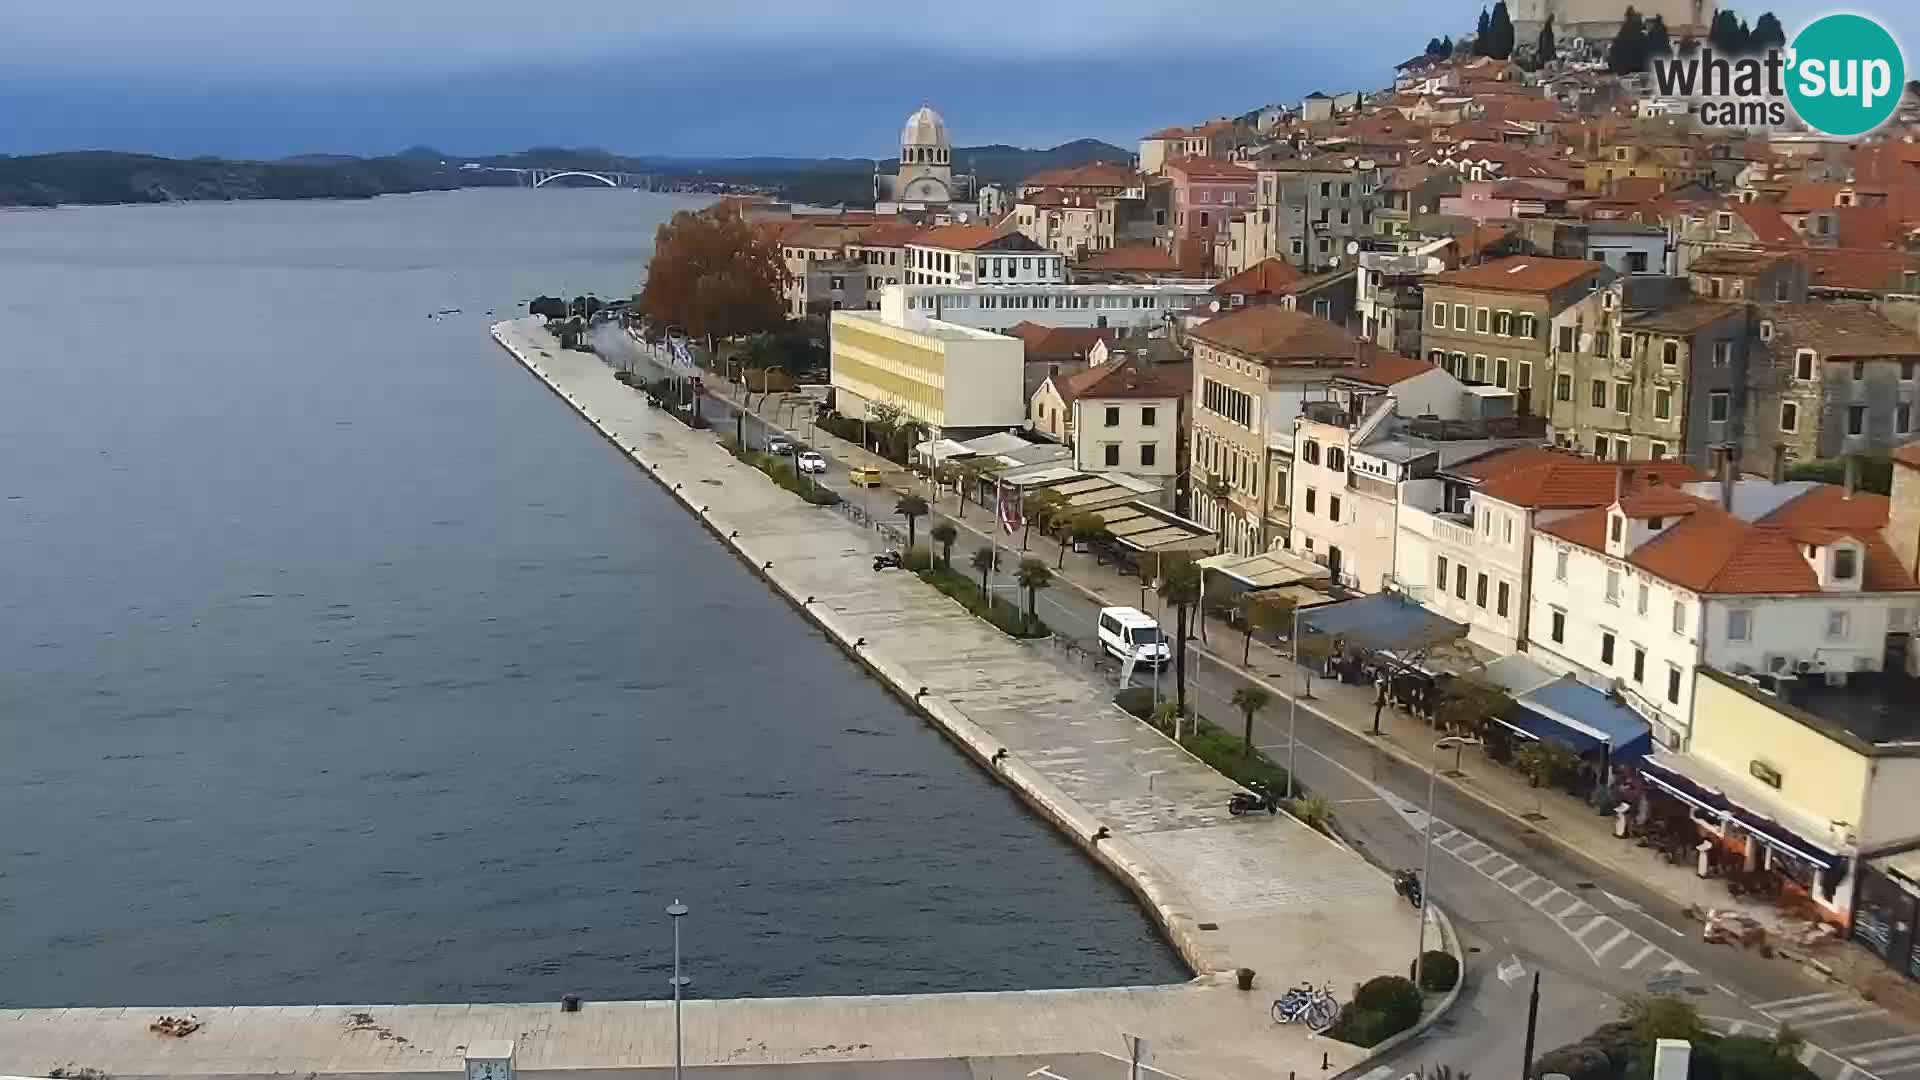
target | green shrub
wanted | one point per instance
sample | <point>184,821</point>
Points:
<point>787,477</point>
<point>1580,1061</point>
<point>1438,971</point>
<point>1006,617</point>
<point>1362,1027</point>
<point>1228,756</point>
<point>1137,700</point>
<point>1742,1057</point>
<point>917,558</point>
<point>1394,997</point>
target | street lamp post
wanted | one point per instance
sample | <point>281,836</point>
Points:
<point>1426,852</point>
<point>1293,700</point>
<point>676,910</point>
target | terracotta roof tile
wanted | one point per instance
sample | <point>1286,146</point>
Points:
<point>960,237</point>
<point>1199,168</point>
<point>1271,332</point>
<point>1383,369</point>
<point>1141,257</point>
<point>1571,483</point>
<point>1510,459</point>
<point>1265,276</point>
<point>1767,224</point>
<point>1124,379</point>
<point>1521,273</point>
<point>1060,342</point>
<point>1877,270</point>
<point>1094,174</point>
<point>1836,330</point>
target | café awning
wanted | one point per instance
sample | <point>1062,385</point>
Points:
<point>1756,809</point>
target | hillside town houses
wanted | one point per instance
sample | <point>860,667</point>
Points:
<point>1599,388</point>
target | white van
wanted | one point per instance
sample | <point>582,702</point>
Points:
<point>1126,631</point>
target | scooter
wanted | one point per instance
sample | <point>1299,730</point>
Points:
<point>887,560</point>
<point>1407,884</point>
<point>1252,802</point>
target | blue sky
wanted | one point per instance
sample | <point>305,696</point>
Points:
<point>720,77</point>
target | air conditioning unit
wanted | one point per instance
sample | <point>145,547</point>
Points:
<point>1836,678</point>
<point>1809,667</point>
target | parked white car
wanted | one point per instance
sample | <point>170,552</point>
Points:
<point>811,462</point>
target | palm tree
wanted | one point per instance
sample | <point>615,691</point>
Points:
<point>1310,651</point>
<point>1043,508</point>
<point>1083,525</point>
<point>1034,575</point>
<point>1180,586</point>
<point>1249,700</point>
<point>912,507</point>
<point>945,534</point>
<point>966,474</point>
<point>1263,613</point>
<point>1221,493</point>
<point>983,561</point>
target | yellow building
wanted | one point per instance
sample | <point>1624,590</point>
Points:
<point>947,376</point>
<point>1811,778</point>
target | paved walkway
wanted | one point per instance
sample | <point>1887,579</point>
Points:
<point>1260,892</point>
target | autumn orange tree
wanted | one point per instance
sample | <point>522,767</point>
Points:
<point>714,278</point>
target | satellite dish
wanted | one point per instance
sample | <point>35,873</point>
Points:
<point>1353,247</point>
<point>1214,306</point>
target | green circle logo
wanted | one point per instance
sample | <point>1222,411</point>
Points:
<point>1845,75</point>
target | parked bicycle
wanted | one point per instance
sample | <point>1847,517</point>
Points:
<point>1315,1007</point>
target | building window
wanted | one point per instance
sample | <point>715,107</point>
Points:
<point>1480,369</point>
<point>1789,416</point>
<point>1336,459</point>
<point>1526,326</point>
<point>1112,452</point>
<point>1480,592</point>
<point>1311,495</point>
<point>1147,416</point>
<point>1670,353</point>
<point>1622,449</point>
<point>1439,314</point>
<point>1460,580</point>
<point>1598,398</point>
<point>1723,221</point>
<point>1844,564</point>
<point>1856,419</point>
<point>1906,371</point>
<point>1902,418</point>
<point>1567,339</point>
<point>1613,576</point>
<point>1113,416</point>
<point>1679,617</point>
<point>1526,376</point>
<point>1500,369</point>
<point>1803,364</point>
<point>1722,353</point>
<point>1558,630</point>
<point>1838,625</point>
<point>1560,566</point>
<point>1606,647</point>
<point>1718,404</point>
<point>1641,600</point>
<point>1500,605</point>
<point>1739,625</point>
<point>1443,574</point>
<point>1656,451</point>
<point>1333,508</point>
<point>1600,446</point>
<point>1626,346</point>
<point>1673,685</point>
<point>1310,451</point>
<point>1662,404</point>
<point>1562,387</point>
<point>1622,397</point>
<point>1503,323</point>
<point>1602,342</point>
<point>1459,316</point>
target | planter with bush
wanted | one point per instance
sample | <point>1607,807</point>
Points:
<point>784,474</point>
<point>1005,616</point>
<point>1438,971</point>
<point>1222,750</point>
<point>1623,1049</point>
<point>1383,1007</point>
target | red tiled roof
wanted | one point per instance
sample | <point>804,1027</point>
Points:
<point>1808,196</point>
<point>1571,483</point>
<point>1878,270</point>
<point>1519,189</point>
<point>1060,342</point>
<point>1271,332</point>
<point>1385,369</point>
<point>1511,459</point>
<point>1767,224</point>
<point>960,237</point>
<point>1712,551</point>
<point>1100,174</point>
<point>1124,379</point>
<point>1265,276</point>
<point>1199,168</point>
<point>1520,273</point>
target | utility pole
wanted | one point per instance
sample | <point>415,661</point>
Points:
<point>677,910</point>
<point>1533,1017</point>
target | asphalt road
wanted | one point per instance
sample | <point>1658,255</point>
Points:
<point>1522,904</point>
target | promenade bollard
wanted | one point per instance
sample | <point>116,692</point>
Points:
<point>1244,976</point>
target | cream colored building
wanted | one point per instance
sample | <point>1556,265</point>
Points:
<point>949,377</point>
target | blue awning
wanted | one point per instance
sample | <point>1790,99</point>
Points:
<point>1599,718</point>
<point>1381,621</point>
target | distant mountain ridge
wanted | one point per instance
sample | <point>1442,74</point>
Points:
<point>105,176</point>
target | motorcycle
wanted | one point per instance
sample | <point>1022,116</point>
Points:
<point>887,560</point>
<point>1252,802</point>
<point>1407,884</point>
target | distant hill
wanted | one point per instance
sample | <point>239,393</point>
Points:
<point>105,176</point>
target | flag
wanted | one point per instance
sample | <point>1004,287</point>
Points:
<point>1007,506</point>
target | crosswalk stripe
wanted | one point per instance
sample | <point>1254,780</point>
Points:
<point>1463,849</point>
<point>1860,1013</point>
<point>1517,886</point>
<point>1511,867</point>
<point>1623,935</point>
<point>1484,859</point>
<point>1378,1072</point>
<point>1645,951</point>
<point>1546,898</point>
<point>1905,1066</point>
<point>1803,999</point>
<point>1580,934</point>
<point>1877,1044</point>
<point>1674,963</point>
<point>1576,906</point>
<point>1799,1014</point>
<point>1889,1055</point>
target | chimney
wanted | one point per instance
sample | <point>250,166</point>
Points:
<point>1853,474</point>
<point>1779,463</point>
<point>1726,478</point>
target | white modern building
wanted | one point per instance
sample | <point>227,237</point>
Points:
<point>1128,309</point>
<point>1793,578</point>
<point>947,376</point>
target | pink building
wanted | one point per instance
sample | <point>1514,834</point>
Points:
<point>1206,195</point>
<point>1503,200</point>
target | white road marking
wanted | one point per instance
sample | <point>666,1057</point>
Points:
<point>1378,1072</point>
<point>1603,950</point>
<point>1798,1015</point>
<point>1768,1005</point>
<point>1570,909</point>
<point>1878,1044</point>
<point>1649,950</point>
<point>1839,1018</point>
<point>1890,1055</point>
<point>1580,934</point>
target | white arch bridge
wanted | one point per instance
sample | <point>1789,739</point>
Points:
<point>542,177</point>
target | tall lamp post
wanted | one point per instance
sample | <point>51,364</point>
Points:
<point>1426,851</point>
<point>1293,700</point>
<point>677,909</point>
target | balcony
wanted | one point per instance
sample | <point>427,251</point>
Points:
<point>1453,530</point>
<point>1373,486</point>
<point>1524,426</point>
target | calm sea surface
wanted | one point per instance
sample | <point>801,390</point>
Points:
<point>339,662</point>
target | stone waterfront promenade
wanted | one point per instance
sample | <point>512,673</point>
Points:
<point>1260,892</point>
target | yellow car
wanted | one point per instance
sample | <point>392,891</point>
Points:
<point>860,476</point>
